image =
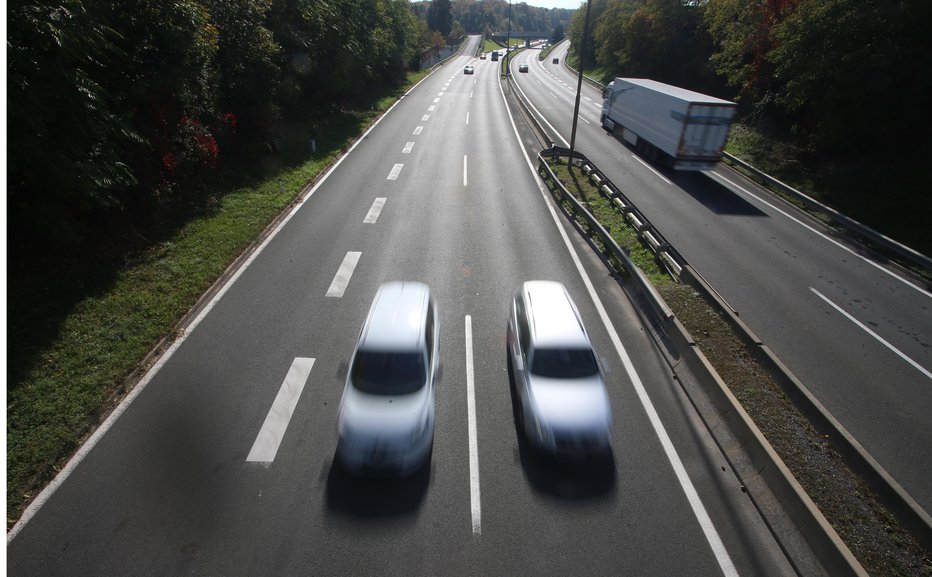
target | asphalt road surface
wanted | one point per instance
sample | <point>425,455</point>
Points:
<point>855,331</point>
<point>439,191</point>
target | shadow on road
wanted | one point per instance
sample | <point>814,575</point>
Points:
<point>577,480</point>
<point>375,497</point>
<point>713,195</point>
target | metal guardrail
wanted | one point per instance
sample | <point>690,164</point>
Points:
<point>765,464</point>
<point>850,224</point>
<point>902,505</point>
<point>641,283</point>
<point>842,220</point>
<point>666,255</point>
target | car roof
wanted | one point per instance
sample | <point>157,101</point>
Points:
<point>396,319</point>
<point>553,319</point>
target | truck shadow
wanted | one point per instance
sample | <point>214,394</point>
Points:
<point>712,194</point>
<point>579,480</point>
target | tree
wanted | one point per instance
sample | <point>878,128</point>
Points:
<point>69,155</point>
<point>440,16</point>
<point>557,35</point>
<point>247,67</point>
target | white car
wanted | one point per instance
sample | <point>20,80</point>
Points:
<point>469,70</point>
<point>563,403</point>
<point>386,422</point>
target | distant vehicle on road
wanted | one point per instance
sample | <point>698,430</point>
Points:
<point>482,56</point>
<point>563,404</point>
<point>496,54</point>
<point>684,129</point>
<point>522,68</point>
<point>468,70</point>
<point>556,60</point>
<point>386,422</point>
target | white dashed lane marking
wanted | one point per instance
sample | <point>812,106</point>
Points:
<point>345,272</point>
<point>375,211</point>
<point>276,422</point>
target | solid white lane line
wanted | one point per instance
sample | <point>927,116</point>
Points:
<point>699,511</point>
<point>276,422</point>
<point>418,130</point>
<point>374,211</point>
<point>464,170</point>
<point>407,148</point>
<point>652,169</point>
<point>345,272</point>
<point>863,327</point>
<point>474,494</point>
<point>824,236</point>
<point>544,120</point>
<point>396,170</point>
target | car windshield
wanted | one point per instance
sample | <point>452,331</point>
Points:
<point>388,373</point>
<point>564,363</point>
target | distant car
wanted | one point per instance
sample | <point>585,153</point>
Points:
<point>482,56</point>
<point>386,422</point>
<point>469,70</point>
<point>522,68</point>
<point>556,60</point>
<point>563,405</point>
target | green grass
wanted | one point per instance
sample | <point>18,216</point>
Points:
<point>613,220</point>
<point>67,372</point>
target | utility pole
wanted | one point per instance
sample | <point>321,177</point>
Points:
<point>508,41</point>
<point>582,55</point>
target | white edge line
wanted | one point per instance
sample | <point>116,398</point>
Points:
<point>717,176</point>
<point>650,168</point>
<point>474,494</point>
<point>276,422</point>
<point>539,115</point>
<point>137,390</point>
<point>699,511</point>
<point>866,329</point>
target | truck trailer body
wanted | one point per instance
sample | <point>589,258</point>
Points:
<point>685,129</point>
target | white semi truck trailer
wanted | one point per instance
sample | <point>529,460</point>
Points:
<point>684,129</point>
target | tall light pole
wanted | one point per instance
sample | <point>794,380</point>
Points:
<point>508,41</point>
<point>582,55</point>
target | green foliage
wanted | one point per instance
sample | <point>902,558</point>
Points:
<point>128,107</point>
<point>67,153</point>
<point>440,16</point>
<point>491,16</point>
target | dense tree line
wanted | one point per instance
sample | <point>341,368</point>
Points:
<point>491,16</point>
<point>126,106</point>
<point>846,77</point>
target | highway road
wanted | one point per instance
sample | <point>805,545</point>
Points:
<point>855,331</point>
<point>440,191</point>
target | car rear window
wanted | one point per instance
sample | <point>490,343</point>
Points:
<point>564,363</point>
<point>388,373</point>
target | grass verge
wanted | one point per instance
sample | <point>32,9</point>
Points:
<point>869,531</point>
<point>69,372</point>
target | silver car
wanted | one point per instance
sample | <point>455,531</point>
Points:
<point>386,422</point>
<point>563,403</point>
